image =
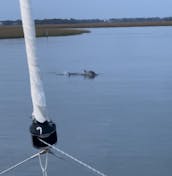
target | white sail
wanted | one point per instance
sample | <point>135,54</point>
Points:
<point>37,92</point>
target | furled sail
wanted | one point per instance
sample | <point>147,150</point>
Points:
<point>37,91</point>
<point>41,128</point>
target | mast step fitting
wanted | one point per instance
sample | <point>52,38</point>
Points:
<point>45,131</point>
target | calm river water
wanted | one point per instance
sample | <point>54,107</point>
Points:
<point>120,122</point>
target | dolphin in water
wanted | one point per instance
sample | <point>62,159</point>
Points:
<point>86,73</point>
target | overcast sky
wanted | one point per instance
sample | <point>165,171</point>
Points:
<point>84,9</point>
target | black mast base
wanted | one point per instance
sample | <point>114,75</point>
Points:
<point>45,131</point>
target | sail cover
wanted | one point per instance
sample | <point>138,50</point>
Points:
<point>37,92</point>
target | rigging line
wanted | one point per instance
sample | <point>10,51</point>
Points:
<point>22,162</point>
<point>74,159</point>
<point>44,168</point>
<point>52,153</point>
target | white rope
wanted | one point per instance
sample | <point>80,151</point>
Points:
<point>74,159</point>
<point>44,168</point>
<point>22,162</point>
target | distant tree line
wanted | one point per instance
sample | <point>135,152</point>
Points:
<point>79,21</point>
<point>152,19</point>
<point>67,21</point>
<point>11,22</point>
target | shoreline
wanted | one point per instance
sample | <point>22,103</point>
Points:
<point>113,24</point>
<point>16,31</point>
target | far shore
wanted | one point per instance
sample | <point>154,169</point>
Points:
<point>114,24</point>
<point>15,31</point>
